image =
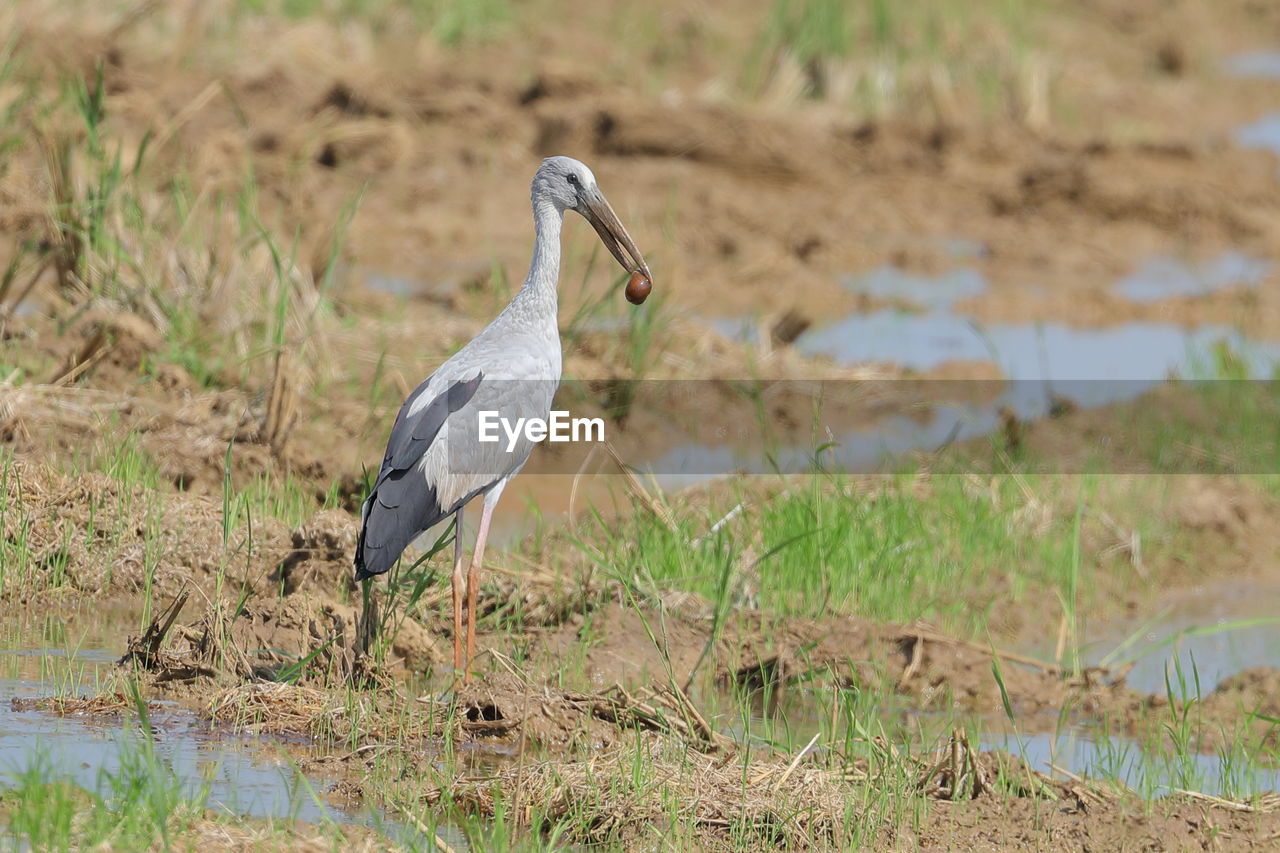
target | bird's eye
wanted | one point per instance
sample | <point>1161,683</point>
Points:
<point>572,178</point>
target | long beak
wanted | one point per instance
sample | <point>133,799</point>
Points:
<point>612,233</point>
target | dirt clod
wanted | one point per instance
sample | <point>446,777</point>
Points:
<point>321,555</point>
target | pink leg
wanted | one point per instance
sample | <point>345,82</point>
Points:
<point>457,581</point>
<point>473,576</point>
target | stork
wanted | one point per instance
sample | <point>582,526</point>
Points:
<point>435,462</point>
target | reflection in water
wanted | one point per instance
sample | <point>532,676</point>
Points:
<point>937,335</point>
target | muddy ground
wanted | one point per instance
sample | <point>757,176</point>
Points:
<point>775,202</point>
<point>1111,145</point>
<point>300,601</point>
<point>623,689</point>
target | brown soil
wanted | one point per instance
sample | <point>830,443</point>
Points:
<point>1060,210</point>
<point>103,539</point>
<point>1255,692</point>
<point>285,631</point>
<point>628,680</point>
<point>108,544</point>
<point>986,801</point>
<point>765,192</point>
<point>1000,824</point>
<point>930,669</point>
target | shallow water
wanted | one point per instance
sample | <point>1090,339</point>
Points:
<point>1079,750</point>
<point>1212,632</point>
<point>394,285</point>
<point>1042,363</point>
<point>855,451</point>
<point>1125,760</point>
<point>1165,277</point>
<point>938,334</point>
<point>940,291</point>
<point>450,277</point>
<point>238,776</point>
<point>1259,63</point>
<point>1053,351</point>
<point>81,751</point>
<point>1263,133</point>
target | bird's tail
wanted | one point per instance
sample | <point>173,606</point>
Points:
<point>397,511</point>
<point>363,570</point>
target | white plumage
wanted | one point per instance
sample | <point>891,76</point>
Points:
<point>435,462</point>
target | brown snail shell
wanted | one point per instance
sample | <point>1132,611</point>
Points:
<point>638,288</point>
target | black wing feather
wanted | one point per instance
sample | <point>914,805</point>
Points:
<point>401,506</point>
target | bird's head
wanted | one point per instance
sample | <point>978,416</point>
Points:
<point>569,185</point>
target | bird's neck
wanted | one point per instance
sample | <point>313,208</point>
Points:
<point>538,293</point>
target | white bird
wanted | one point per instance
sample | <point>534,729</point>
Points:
<point>435,463</point>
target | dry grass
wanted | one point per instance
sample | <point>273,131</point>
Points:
<point>513,705</point>
<point>364,717</point>
<point>101,705</point>
<point>102,534</point>
<point>714,797</point>
<point>249,835</point>
<point>274,707</point>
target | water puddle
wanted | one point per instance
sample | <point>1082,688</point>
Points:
<point>237,778</point>
<point>927,339</point>
<point>1263,64</point>
<point>1164,277</point>
<point>1043,364</point>
<point>1263,133</point>
<point>1079,750</point>
<point>43,657</point>
<point>941,291</point>
<point>449,278</point>
<point>27,308</point>
<point>854,451</point>
<point>937,334</point>
<point>1148,773</point>
<point>962,247</point>
<point>1049,351</point>
<point>402,288</point>
<point>1211,633</point>
<point>81,751</point>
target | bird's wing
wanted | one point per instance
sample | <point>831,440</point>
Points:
<point>417,425</point>
<point>459,462</point>
<point>401,506</point>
